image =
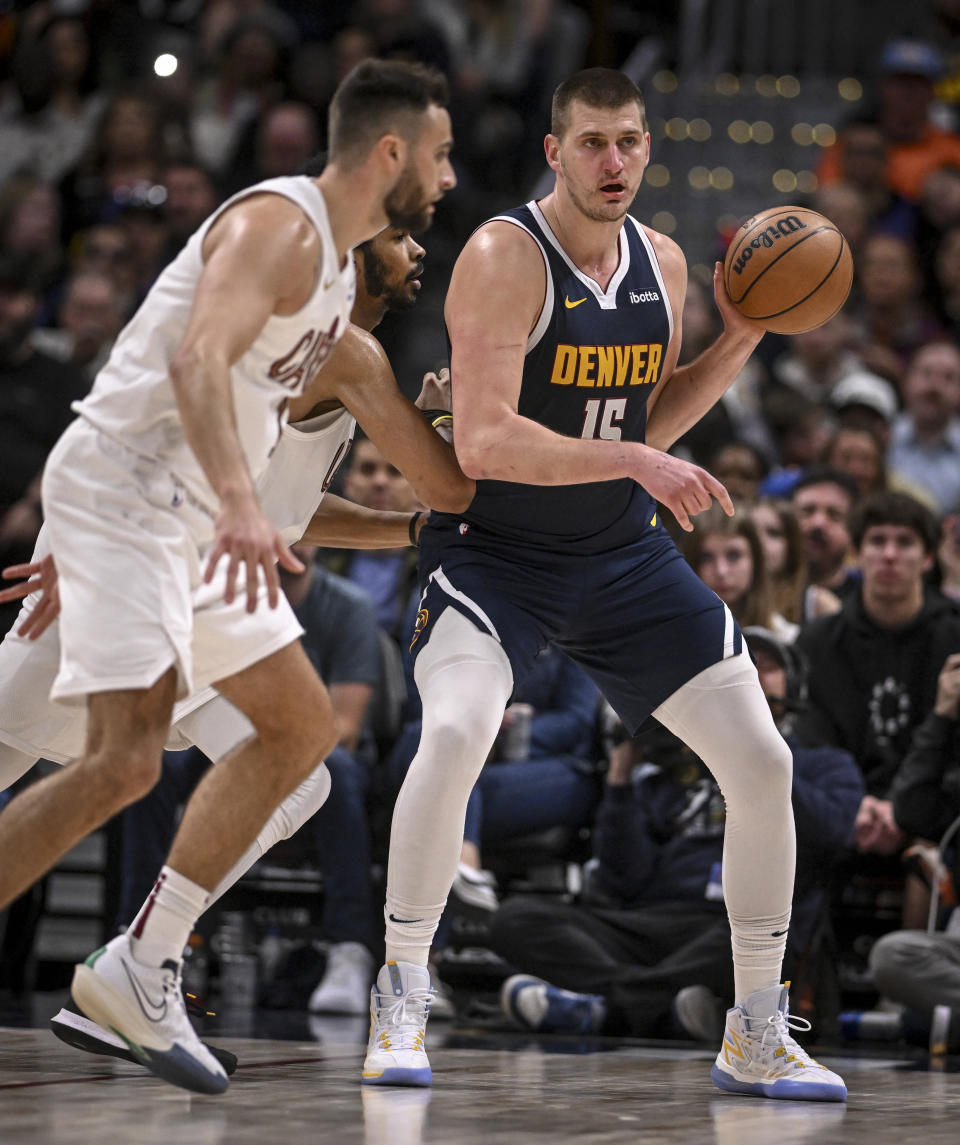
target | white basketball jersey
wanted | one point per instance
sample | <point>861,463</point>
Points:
<point>133,399</point>
<point>302,467</point>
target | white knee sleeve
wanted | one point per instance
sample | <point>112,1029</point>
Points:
<point>465,680</point>
<point>723,716</point>
<point>292,813</point>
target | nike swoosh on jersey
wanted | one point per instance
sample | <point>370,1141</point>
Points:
<point>393,918</point>
<point>152,1011</point>
<point>570,305</point>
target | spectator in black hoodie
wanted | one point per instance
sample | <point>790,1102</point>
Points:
<point>874,664</point>
<point>917,968</point>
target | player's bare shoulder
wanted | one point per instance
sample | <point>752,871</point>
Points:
<point>673,263</point>
<point>357,361</point>
<point>277,236</point>
<point>500,271</point>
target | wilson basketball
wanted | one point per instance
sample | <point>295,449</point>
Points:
<point>788,269</point>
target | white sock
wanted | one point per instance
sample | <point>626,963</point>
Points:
<point>160,931</point>
<point>758,946</point>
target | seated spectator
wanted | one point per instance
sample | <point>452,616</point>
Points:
<point>917,968</point>
<point>30,226</point>
<point>106,249</point>
<point>817,360</point>
<point>342,643</point>
<point>823,500</point>
<point>914,145</point>
<point>925,442</point>
<point>192,195</point>
<point>248,77</point>
<point>791,593</point>
<point>279,142</point>
<point>848,209</point>
<point>741,468</point>
<point>801,429</point>
<point>127,151</point>
<point>387,576</point>
<point>53,108</point>
<point>645,955</point>
<point>90,316</point>
<point>874,664</point>
<point>865,401</point>
<point>893,317</point>
<point>859,159</point>
<point>860,455</point>
<point>726,553</point>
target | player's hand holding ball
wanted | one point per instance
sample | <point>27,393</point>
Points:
<point>788,270</point>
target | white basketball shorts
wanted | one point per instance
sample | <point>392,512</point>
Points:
<point>129,544</point>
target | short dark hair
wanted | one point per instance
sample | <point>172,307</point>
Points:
<point>895,509</point>
<point>377,97</point>
<point>827,475</point>
<point>596,87</point>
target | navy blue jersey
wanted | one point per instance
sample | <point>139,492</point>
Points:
<point>592,361</point>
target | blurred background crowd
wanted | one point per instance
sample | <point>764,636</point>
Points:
<point>589,858</point>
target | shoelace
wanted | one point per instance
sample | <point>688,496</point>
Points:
<point>405,1016</point>
<point>781,1024</point>
<point>196,1006</point>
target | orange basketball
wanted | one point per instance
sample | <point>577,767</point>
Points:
<point>788,269</point>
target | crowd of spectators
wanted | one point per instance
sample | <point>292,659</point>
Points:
<point>840,446</point>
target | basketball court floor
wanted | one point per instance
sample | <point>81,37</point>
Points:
<point>300,1084</point>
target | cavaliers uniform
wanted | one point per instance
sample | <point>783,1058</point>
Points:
<point>299,472</point>
<point>586,566</point>
<point>129,510</point>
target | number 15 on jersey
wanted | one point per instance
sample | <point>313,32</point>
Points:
<point>607,413</point>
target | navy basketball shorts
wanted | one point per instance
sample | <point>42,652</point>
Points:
<point>637,619</point>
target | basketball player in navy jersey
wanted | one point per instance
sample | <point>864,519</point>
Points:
<point>564,323</point>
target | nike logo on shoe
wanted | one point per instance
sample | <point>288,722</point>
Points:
<point>153,1011</point>
<point>393,918</point>
<point>570,305</point>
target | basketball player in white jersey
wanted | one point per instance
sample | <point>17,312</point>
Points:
<point>292,495</point>
<point>154,484</point>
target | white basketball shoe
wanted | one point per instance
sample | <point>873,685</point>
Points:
<point>399,1005</point>
<point>759,1057</point>
<point>144,1006</point>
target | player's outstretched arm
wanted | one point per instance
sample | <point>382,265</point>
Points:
<point>342,524</point>
<point>496,294</point>
<point>363,380</point>
<point>260,259</point>
<point>683,395</point>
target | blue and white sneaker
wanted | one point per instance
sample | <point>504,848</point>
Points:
<point>539,1006</point>
<point>143,1005</point>
<point>399,1006</point>
<point>759,1057</point>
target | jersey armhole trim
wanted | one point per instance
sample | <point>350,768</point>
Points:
<point>546,311</point>
<point>655,267</point>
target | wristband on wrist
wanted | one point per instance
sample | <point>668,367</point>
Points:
<point>433,415</point>
<point>411,528</point>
